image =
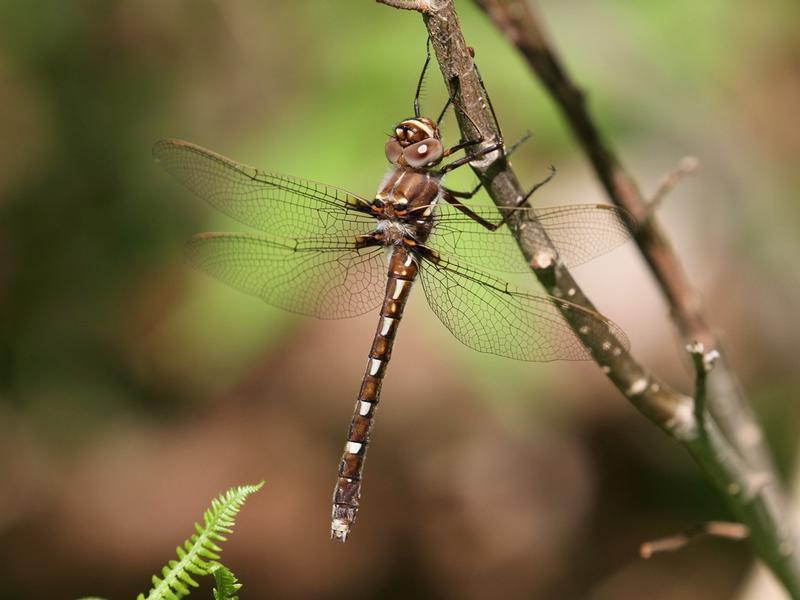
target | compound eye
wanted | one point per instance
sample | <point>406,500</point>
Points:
<point>423,153</point>
<point>393,151</point>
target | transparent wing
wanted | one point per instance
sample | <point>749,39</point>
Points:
<point>276,204</point>
<point>579,232</point>
<point>490,315</point>
<point>329,277</point>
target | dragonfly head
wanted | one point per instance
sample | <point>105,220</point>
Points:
<point>415,143</point>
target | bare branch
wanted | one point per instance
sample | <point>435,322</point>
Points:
<point>418,5</point>
<point>726,448</point>
<point>518,21</point>
<point>686,166</point>
<point>703,363</point>
<point>721,529</point>
<point>668,408</point>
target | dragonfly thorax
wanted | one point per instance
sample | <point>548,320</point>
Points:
<point>408,196</point>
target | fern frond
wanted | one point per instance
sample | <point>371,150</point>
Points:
<point>226,584</point>
<point>200,552</point>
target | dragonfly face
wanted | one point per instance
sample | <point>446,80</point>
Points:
<point>416,143</point>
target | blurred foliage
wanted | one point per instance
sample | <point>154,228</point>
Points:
<point>101,325</point>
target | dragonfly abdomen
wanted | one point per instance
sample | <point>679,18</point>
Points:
<point>347,493</point>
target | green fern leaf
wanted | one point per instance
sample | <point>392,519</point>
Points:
<point>226,584</point>
<point>199,554</point>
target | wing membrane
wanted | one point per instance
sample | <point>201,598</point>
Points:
<point>490,315</point>
<point>326,277</point>
<point>579,232</point>
<point>279,205</point>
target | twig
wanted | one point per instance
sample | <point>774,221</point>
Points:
<point>418,5</point>
<point>703,363</point>
<point>721,529</point>
<point>686,166</point>
<point>750,484</point>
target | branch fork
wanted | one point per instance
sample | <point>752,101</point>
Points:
<point>686,166</point>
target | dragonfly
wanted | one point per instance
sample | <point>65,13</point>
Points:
<point>326,252</point>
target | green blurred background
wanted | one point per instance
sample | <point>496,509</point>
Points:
<point>132,390</point>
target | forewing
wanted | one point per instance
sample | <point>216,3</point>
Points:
<point>580,232</point>
<point>327,277</point>
<point>489,315</point>
<point>279,205</point>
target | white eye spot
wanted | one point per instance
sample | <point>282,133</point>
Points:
<point>422,149</point>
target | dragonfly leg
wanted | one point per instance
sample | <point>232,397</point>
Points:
<point>461,146</point>
<point>452,196</point>
<point>471,193</point>
<point>536,186</point>
<point>521,201</point>
<point>485,94</point>
<point>444,110</point>
<point>467,159</point>
<point>422,79</point>
<point>465,195</point>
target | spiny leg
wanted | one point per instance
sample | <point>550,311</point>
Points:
<point>451,100</point>
<point>444,110</point>
<point>456,82</point>
<point>470,194</point>
<point>486,95</point>
<point>452,196</point>
<point>470,157</point>
<point>422,79</point>
<point>461,146</point>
